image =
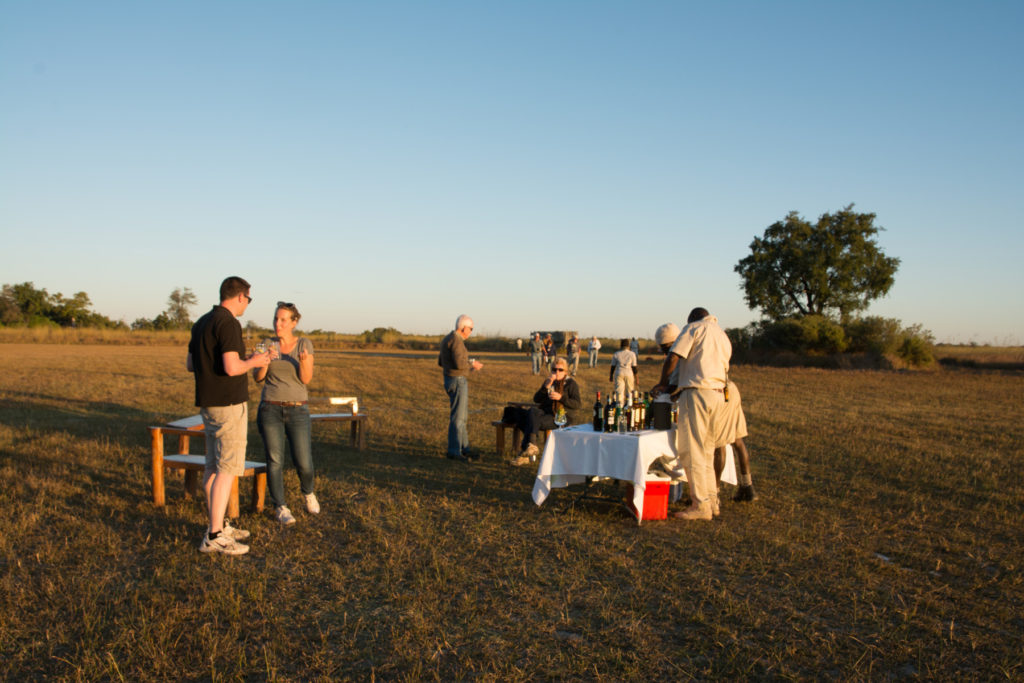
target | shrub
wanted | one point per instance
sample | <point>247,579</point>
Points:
<point>917,347</point>
<point>813,334</point>
<point>886,337</point>
<point>873,334</point>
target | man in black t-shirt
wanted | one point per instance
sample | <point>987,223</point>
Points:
<point>215,354</point>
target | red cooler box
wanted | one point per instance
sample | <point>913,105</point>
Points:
<point>655,499</point>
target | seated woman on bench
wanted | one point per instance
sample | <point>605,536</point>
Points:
<point>559,391</point>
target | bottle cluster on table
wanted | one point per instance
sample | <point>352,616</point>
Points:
<point>633,415</point>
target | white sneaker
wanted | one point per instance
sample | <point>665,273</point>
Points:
<point>222,544</point>
<point>234,532</point>
<point>530,452</point>
<point>284,515</point>
<point>228,530</point>
<point>312,504</point>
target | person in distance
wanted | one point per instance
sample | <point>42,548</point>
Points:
<point>593,349</point>
<point>456,365</point>
<point>536,352</point>
<point>623,371</point>
<point>284,411</point>
<point>572,352</point>
<point>559,391</point>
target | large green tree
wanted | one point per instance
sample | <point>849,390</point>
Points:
<point>831,267</point>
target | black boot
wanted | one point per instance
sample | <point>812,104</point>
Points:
<point>745,494</point>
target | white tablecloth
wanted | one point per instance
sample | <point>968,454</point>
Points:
<point>575,453</point>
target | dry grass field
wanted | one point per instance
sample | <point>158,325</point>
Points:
<point>886,543</point>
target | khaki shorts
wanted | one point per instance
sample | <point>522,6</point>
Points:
<point>227,429</point>
<point>731,423</point>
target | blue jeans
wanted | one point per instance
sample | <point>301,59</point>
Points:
<point>278,424</point>
<point>593,358</point>
<point>536,362</point>
<point>458,396</point>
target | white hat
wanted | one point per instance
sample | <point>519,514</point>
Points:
<point>666,334</point>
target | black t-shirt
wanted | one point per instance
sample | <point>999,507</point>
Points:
<point>213,335</point>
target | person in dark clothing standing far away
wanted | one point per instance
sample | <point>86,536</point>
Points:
<point>572,352</point>
<point>536,352</point>
<point>456,365</point>
<point>215,353</point>
<point>558,392</point>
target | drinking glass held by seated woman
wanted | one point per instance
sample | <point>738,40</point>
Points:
<point>559,392</point>
<point>283,415</point>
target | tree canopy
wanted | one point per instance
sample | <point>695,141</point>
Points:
<point>176,317</point>
<point>23,304</point>
<point>832,267</point>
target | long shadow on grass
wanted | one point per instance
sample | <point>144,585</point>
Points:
<point>489,479</point>
<point>407,466</point>
<point>77,417</point>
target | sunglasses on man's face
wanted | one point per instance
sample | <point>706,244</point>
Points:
<point>559,369</point>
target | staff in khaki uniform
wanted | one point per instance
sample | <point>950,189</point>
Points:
<point>732,427</point>
<point>623,372</point>
<point>704,350</point>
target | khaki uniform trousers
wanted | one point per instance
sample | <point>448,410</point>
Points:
<point>623,383</point>
<point>699,411</point>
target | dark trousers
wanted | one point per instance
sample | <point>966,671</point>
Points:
<point>530,421</point>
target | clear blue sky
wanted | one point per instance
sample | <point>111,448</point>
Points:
<point>589,165</point>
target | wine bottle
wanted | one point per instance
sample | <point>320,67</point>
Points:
<point>610,411</point>
<point>598,414</point>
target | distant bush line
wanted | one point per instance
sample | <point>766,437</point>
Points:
<point>747,347</point>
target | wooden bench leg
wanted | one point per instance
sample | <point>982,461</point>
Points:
<point>157,449</point>
<point>233,512</point>
<point>499,439</point>
<point>191,483</point>
<point>259,490</point>
<point>356,435</point>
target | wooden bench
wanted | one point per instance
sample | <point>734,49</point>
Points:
<point>517,437</point>
<point>357,419</point>
<point>353,416</point>
<point>194,464</point>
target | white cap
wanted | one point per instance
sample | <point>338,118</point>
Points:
<point>666,334</point>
